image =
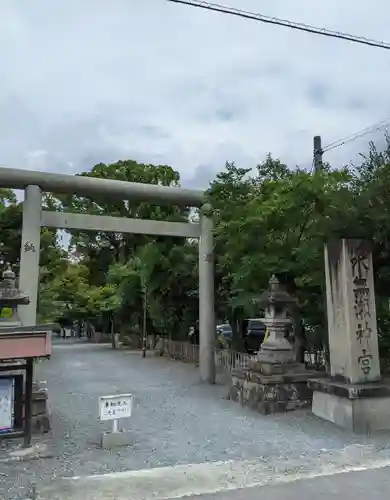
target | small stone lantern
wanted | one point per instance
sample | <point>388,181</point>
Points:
<point>276,302</point>
<point>10,298</point>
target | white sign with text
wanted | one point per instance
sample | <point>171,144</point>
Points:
<point>115,407</point>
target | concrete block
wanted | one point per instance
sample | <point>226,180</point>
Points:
<point>116,439</point>
<point>363,416</point>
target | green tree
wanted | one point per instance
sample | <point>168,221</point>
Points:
<point>371,211</point>
<point>267,220</point>
<point>276,222</point>
<point>114,258</point>
<point>101,249</point>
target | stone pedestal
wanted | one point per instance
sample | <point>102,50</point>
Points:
<point>272,393</point>
<point>360,408</point>
<point>353,397</point>
<point>274,382</point>
<point>40,411</point>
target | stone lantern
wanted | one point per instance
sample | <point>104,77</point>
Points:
<point>276,303</point>
<point>10,298</point>
<point>274,381</point>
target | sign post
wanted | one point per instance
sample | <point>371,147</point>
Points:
<point>113,408</point>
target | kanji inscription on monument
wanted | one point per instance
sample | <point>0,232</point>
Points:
<point>29,247</point>
<point>352,325</point>
<point>363,318</point>
<point>363,333</point>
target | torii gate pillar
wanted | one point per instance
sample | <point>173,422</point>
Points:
<point>29,253</point>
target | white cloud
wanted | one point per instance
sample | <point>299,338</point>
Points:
<point>98,81</point>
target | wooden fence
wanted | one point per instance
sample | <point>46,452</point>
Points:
<point>226,359</point>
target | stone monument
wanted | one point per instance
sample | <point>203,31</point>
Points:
<point>353,396</point>
<point>274,381</point>
<point>10,298</point>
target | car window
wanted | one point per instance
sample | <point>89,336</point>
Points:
<point>256,324</point>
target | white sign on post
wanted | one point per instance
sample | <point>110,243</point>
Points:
<point>115,407</point>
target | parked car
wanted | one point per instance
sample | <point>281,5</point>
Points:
<point>223,334</point>
<point>254,331</point>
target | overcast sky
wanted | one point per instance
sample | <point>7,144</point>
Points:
<point>84,81</point>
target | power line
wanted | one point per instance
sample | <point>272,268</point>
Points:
<point>282,22</point>
<point>357,135</point>
<point>318,150</point>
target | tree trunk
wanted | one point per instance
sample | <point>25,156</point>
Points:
<point>112,330</point>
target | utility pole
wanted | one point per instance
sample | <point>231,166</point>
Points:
<point>317,153</point>
<point>144,331</point>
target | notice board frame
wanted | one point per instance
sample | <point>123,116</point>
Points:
<point>22,411</point>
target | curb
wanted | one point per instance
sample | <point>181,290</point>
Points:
<point>26,458</point>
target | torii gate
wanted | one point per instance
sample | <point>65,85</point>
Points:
<point>33,183</point>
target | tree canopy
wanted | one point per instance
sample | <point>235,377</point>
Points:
<point>268,219</point>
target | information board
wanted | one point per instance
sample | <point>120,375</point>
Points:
<point>6,404</point>
<point>115,407</point>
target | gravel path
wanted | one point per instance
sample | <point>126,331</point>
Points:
<point>175,420</point>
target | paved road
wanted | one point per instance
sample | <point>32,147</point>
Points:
<point>218,482</point>
<point>176,422</point>
<point>372,484</point>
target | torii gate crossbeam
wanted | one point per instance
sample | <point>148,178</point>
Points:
<point>34,182</point>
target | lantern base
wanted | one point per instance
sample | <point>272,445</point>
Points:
<point>273,392</point>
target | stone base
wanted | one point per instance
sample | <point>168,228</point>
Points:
<point>360,408</point>
<point>268,368</point>
<point>272,393</point>
<point>40,412</point>
<point>41,424</point>
<point>116,439</point>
